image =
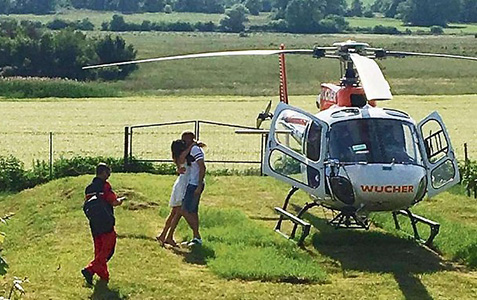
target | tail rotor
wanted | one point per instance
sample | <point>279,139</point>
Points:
<point>264,115</point>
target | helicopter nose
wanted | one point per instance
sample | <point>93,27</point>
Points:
<point>382,188</point>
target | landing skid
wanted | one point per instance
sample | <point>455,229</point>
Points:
<point>434,226</point>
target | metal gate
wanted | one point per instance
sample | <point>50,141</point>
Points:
<point>151,142</point>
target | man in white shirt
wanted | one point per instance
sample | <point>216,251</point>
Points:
<point>195,187</point>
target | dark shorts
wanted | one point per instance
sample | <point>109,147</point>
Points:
<point>191,203</point>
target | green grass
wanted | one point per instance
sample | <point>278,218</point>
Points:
<point>50,230</point>
<point>95,127</point>
<point>458,232</point>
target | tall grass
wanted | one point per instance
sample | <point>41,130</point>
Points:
<point>32,87</point>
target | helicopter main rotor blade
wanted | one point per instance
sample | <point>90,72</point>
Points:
<point>204,55</point>
<point>404,53</point>
<point>372,79</point>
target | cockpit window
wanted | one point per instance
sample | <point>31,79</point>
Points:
<point>374,141</point>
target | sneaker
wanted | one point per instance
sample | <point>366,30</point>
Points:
<point>87,276</point>
<point>194,242</point>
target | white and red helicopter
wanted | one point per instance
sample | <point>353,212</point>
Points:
<point>352,157</point>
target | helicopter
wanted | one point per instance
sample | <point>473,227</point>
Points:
<point>351,157</point>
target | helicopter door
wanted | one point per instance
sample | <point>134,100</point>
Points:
<point>295,151</point>
<point>439,158</point>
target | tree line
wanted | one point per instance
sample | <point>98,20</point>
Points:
<point>413,12</point>
<point>26,50</point>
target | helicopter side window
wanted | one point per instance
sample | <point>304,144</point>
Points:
<point>313,149</point>
<point>434,141</point>
<point>313,142</point>
<point>288,166</point>
<point>290,130</point>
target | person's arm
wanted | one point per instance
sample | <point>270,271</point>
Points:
<point>202,169</point>
<point>110,196</point>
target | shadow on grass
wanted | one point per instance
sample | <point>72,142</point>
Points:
<point>378,252</point>
<point>101,291</point>
<point>136,236</point>
<point>197,255</point>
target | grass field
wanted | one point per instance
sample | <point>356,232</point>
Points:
<point>259,75</point>
<point>96,126</point>
<point>98,17</point>
<point>49,242</point>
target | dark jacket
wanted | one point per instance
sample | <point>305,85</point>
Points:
<point>98,206</point>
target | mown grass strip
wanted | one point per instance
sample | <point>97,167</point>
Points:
<point>236,247</point>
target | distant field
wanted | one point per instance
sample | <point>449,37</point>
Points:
<point>96,126</point>
<point>453,28</point>
<point>98,17</point>
<point>259,75</point>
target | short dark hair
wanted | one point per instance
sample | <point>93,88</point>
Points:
<point>101,167</point>
<point>188,133</point>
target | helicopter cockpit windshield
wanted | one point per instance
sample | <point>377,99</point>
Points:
<point>374,141</point>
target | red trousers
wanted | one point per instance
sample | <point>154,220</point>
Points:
<point>103,251</point>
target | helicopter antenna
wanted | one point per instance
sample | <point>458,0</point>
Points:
<point>283,76</point>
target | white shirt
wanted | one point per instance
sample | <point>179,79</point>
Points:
<point>198,154</point>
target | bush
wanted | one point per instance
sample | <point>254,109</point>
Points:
<point>436,30</point>
<point>468,174</point>
<point>14,177</point>
<point>12,174</point>
<point>168,9</point>
<point>380,29</point>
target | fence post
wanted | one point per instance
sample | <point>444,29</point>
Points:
<point>51,155</point>
<point>466,165</point>
<point>126,147</point>
<point>197,129</point>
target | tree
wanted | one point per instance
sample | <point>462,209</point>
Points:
<point>253,6</point>
<point>4,6</point>
<point>206,6</point>
<point>334,7</point>
<point>111,49</point>
<point>128,6</point>
<point>428,12</point>
<point>153,5</point>
<point>356,9</point>
<point>304,15</point>
<point>234,18</point>
<point>387,7</point>
<point>118,23</point>
<point>469,11</point>
<point>333,24</point>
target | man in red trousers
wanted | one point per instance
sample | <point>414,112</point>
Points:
<point>98,207</point>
